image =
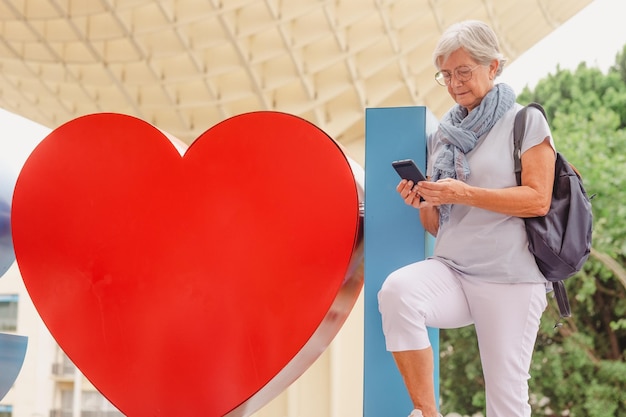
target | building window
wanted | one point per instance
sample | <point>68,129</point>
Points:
<point>67,398</point>
<point>6,410</point>
<point>63,368</point>
<point>95,404</point>
<point>8,313</point>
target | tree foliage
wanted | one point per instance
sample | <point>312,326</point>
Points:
<point>579,369</point>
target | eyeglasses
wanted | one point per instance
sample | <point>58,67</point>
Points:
<point>462,73</point>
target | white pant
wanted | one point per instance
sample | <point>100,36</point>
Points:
<point>506,318</point>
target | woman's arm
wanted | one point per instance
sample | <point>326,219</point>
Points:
<point>531,199</point>
<point>429,217</point>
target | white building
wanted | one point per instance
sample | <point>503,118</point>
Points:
<point>48,385</point>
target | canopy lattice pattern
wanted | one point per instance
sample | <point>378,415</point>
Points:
<point>185,65</point>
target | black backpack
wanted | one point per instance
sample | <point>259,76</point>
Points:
<point>560,240</point>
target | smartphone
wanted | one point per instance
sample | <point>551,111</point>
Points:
<point>407,170</point>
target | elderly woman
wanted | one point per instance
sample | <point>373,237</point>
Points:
<point>481,271</point>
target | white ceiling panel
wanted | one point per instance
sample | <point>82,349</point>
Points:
<point>185,65</point>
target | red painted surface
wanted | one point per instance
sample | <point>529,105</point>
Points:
<point>181,286</point>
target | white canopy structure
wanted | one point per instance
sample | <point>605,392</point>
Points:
<point>184,65</point>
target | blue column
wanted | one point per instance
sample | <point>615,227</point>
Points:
<point>393,237</point>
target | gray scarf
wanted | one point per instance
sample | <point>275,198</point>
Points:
<point>459,131</point>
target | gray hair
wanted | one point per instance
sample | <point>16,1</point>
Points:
<point>476,37</point>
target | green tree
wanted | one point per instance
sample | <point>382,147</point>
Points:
<point>579,369</point>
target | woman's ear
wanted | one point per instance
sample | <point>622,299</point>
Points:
<point>493,69</point>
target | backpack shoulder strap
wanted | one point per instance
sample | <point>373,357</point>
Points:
<point>519,129</point>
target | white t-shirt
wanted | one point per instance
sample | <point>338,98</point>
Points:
<point>484,244</point>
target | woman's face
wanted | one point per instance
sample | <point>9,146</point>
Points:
<point>471,92</point>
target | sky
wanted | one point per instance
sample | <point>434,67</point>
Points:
<point>595,35</point>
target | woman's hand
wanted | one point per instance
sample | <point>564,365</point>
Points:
<point>445,191</point>
<point>531,199</point>
<point>408,192</point>
<point>429,213</point>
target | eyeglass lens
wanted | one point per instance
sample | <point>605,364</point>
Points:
<point>462,73</point>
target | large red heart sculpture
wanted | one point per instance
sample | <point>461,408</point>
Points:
<point>195,285</point>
